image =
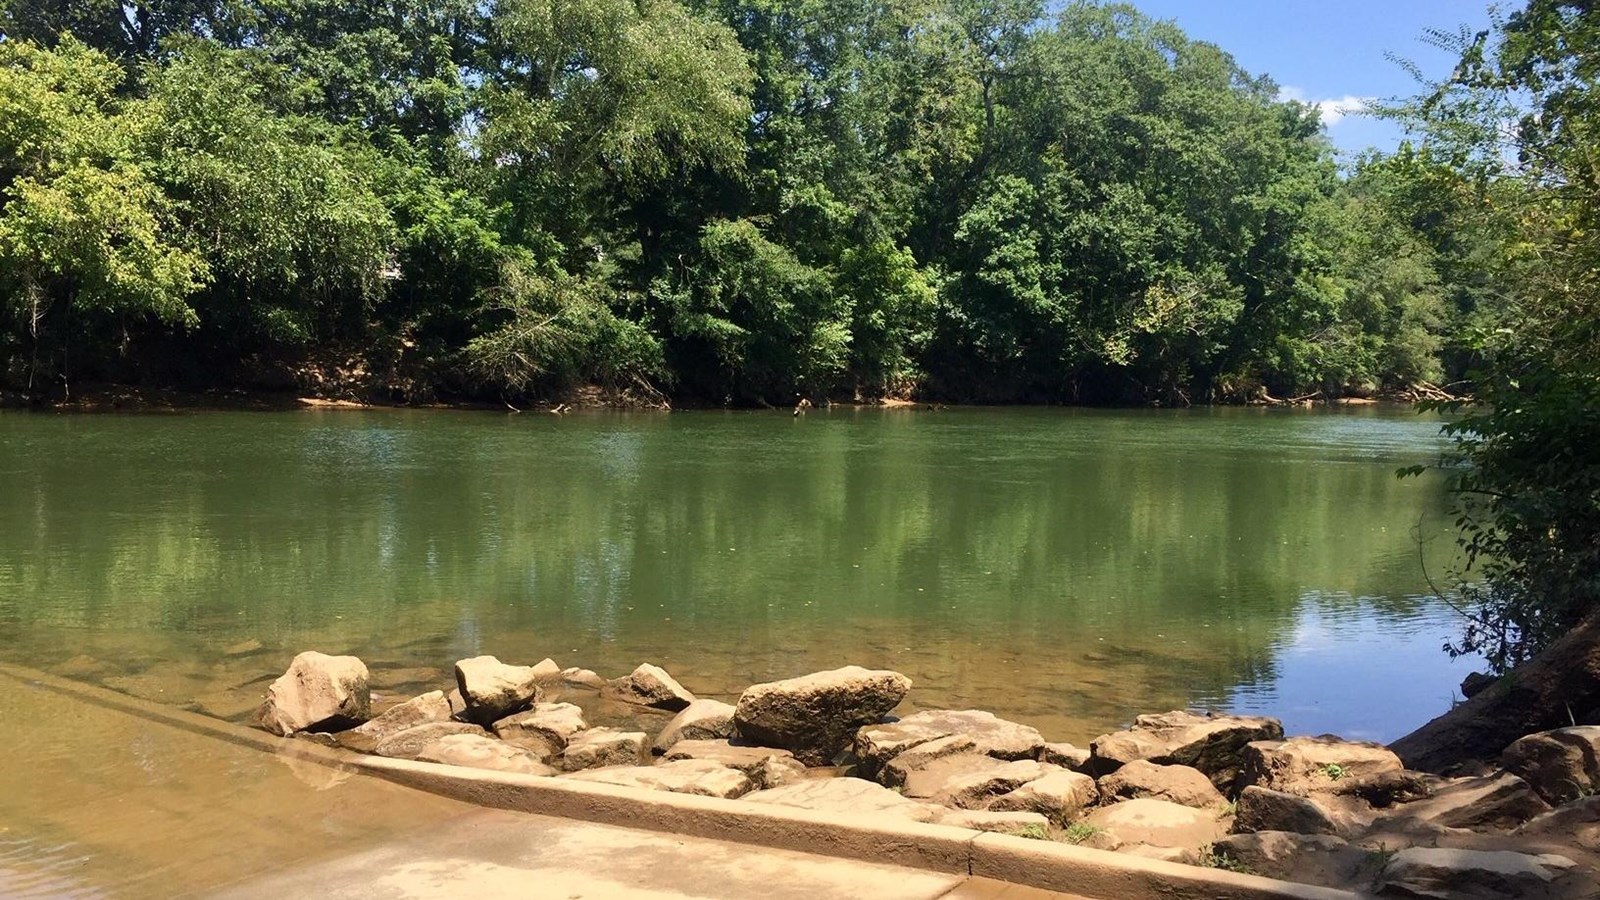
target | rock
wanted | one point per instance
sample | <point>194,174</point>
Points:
<point>1475,682</point>
<point>918,758</point>
<point>1301,765</point>
<point>1157,822</point>
<point>318,692</point>
<point>492,690</point>
<point>1209,742</point>
<point>458,705</point>
<point>1059,796</point>
<point>815,716</point>
<point>1165,854</point>
<point>1263,809</point>
<point>584,678</point>
<point>853,797</point>
<point>1178,784</point>
<point>232,705</point>
<point>1439,872</point>
<point>976,790</point>
<point>1383,789</point>
<point>1559,765</point>
<point>1064,755</point>
<point>876,745</point>
<point>1024,824</point>
<point>420,710</point>
<point>1306,858</point>
<point>408,743</point>
<point>1492,803</point>
<point>243,648</point>
<point>702,720</point>
<point>931,778</point>
<point>543,730</point>
<point>482,752</point>
<point>601,747</point>
<point>649,686</point>
<point>547,671</point>
<point>1576,823</point>
<point>766,767</point>
<point>684,776</point>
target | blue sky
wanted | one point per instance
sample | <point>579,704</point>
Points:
<point>1329,51</point>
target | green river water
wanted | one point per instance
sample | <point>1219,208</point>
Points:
<point>1065,568</point>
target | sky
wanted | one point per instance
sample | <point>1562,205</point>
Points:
<point>1330,52</point>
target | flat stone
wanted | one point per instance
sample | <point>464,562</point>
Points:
<point>493,690</point>
<point>1179,784</point>
<point>702,720</point>
<point>650,686</point>
<point>543,730</point>
<point>1058,795</point>
<point>919,757</point>
<point>684,776</point>
<point>1263,809</point>
<point>1209,742</point>
<point>1157,822</point>
<point>318,693</point>
<point>408,743</point>
<point>1560,765</point>
<point>876,745</point>
<point>1302,765</point>
<point>1066,756</point>
<point>479,751</point>
<point>1575,823</point>
<point>976,790</point>
<point>930,779</point>
<point>816,716</point>
<point>1445,873</point>
<point>1026,824</point>
<point>602,747</point>
<point>419,710</point>
<point>1491,803</point>
<point>851,797</point>
<point>766,767</point>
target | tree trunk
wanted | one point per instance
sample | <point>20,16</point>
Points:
<point>1557,688</point>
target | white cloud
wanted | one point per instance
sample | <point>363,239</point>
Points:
<point>1333,109</point>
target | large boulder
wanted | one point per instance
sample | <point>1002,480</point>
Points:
<point>1209,742</point>
<point>419,710</point>
<point>649,686</point>
<point>482,752</point>
<point>543,730</point>
<point>877,744</point>
<point>318,693</point>
<point>1559,765</point>
<point>766,767</point>
<point>407,744</point>
<point>1487,874</point>
<point>852,797</point>
<point>1263,809</point>
<point>702,720</point>
<point>684,776</point>
<point>602,747</point>
<point>1154,822</point>
<point>493,690</point>
<point>1489,803</point>
<point>1575,824</point>
<point>815,716</point>
<point>1179,784</point>
<point>1058,796</point>
<point>1306,858</point>
<point>1301,765</point>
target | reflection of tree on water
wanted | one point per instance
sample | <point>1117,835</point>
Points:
<point>1075,566</point>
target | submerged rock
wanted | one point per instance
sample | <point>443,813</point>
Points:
<point>420,710</point>
<point>649,686</point>
<point>702,720</point>
<point>816,716</point>
<point>492,690</point>
<point>408,743</point>
<point>479,751</point>
<point>321,692</point>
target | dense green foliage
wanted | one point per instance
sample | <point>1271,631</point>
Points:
<point>728,202</point>
<point>1526,456</point>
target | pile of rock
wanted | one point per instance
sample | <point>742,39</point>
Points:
<point>1188,787</point>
